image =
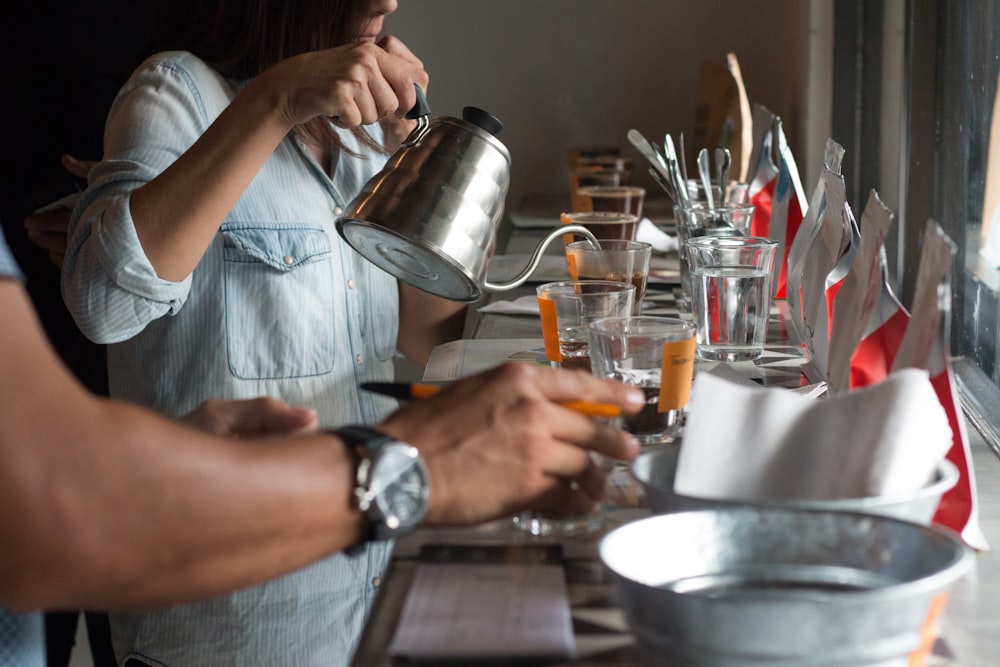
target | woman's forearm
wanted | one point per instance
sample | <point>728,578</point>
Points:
<point>178,212</point>
<point>426,320</point>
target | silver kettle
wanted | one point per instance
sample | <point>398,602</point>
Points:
<point>430,216</point>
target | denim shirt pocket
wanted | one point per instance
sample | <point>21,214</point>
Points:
<point>279,303</point>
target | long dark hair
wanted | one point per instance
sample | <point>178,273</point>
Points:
<point>242,38</point>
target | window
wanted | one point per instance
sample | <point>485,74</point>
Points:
<point>915,89</point>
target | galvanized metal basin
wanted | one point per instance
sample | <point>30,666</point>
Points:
<point>764,586</point>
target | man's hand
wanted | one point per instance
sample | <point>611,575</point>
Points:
<point>500,442</point>
<point>251,418</point>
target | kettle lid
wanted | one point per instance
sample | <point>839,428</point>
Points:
<point>411,259</point>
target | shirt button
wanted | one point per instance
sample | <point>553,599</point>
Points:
<point>376,582</point>
<point>288,259</point>
<point>350,283</point>
<point>337,210</point>
<point>360,358</point>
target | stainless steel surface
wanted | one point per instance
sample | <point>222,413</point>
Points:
<point>430,216</point>
<point>655,469</point>
<point>755,586</point>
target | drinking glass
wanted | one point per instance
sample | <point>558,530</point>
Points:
<point>697,220</point>
<point>596,170</point>
<point>615,198</point>
<point>731,294</point>
<point>621,261</point>
<point>655,354</point>
<point>736,192</point>
<point>566,307</point>
<point>602,224</point>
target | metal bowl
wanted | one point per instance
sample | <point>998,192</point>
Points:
<point>656,466</point>
<point>764,586</point>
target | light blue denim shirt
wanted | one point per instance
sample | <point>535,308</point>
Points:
<point>279,305</point>
<point>22,636</point>
<point>22,642</point>
<point>8,265</point>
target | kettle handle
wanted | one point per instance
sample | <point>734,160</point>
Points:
<point>420,112</point>
<point>421,108</point>
<point>536,256</point>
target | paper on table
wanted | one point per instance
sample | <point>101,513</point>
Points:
<point>523,305</point>
<point>459,358</point>
<point>550,268</point>
<point>485,611</point>
<point>751,443</point>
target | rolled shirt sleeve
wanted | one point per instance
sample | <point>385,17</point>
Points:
<point>108,283</point>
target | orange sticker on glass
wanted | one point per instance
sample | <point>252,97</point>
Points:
<point>550,331</point>
<point>676,374</point>
<point>574,273</point>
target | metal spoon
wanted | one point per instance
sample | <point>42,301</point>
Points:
<point>646,148</point>
<point>682,158</point>
<point>680,184</point>
<point>665,184</point>
<point>706,178</point>
<point>723,161</point>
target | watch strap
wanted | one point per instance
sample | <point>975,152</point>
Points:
<point>362,443</point>
<point>364,436</point>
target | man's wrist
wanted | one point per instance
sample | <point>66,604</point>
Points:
<point>390,485</point>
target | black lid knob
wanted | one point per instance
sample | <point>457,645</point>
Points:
<point>482,119</point>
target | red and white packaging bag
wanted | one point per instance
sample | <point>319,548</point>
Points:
<point>927,345</point>
<point>763,173</point>
<point>827,261</point>
<point>869,321</point>
<point>798,248</point>
<point>775,191</point>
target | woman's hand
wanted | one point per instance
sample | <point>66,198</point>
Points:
<point>48,229</point>
<point>256,417</point>
<point>356,84</point>
<point>397,127</point>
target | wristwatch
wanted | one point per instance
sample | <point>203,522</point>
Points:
<point>390,481</point>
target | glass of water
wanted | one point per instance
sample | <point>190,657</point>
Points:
<point>730,294</point>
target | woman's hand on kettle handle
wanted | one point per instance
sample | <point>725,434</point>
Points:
<point>356,84</point>
<point>397,127</point>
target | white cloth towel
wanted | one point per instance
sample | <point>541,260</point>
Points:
<point>756,443</point>
<point>656,237</point>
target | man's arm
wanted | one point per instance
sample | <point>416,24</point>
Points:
<point>106,505</point>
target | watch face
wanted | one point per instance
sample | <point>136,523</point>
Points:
<point>401,484</point>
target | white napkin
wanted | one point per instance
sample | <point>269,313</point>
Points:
<point>654,236</point>
<point>749,443</point>
<point>525,305</point>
